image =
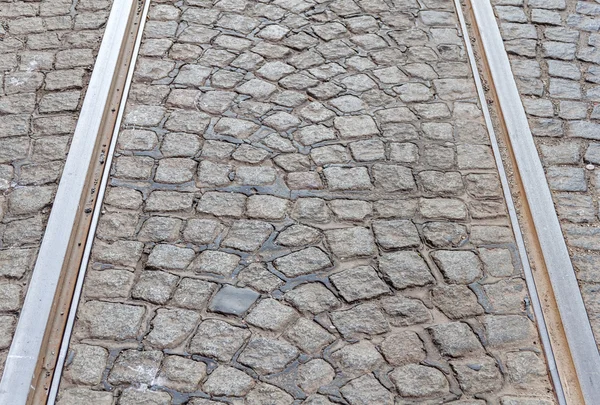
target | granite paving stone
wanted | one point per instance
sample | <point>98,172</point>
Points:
<point>315,214</point>
<point>565,68</point>
<point>47,70</point>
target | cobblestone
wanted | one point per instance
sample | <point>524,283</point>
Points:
<point>565,66</point>
<point>320,208</point>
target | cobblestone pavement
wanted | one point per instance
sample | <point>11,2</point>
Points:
<point>553,48</point>
<point>304,208</point>
<point>47,49</point>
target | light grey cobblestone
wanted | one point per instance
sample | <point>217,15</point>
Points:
<point>562,113</point>
<point>48,52</point>
<point>328,225</point>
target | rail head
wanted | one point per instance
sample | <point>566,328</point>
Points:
<point>557,263</point>
<point>26,351</point>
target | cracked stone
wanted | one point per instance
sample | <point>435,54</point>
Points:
<point>366,390</point>
<point>330,154</point>
<point>317,112</point>
<point>456,301</point>
<point>193,294</point>
<point>240,129</point>
<point>405,311</point>
<point>213,174</point>
<point>133,366</point>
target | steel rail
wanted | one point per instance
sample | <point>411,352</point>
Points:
<point>529,279</point>
<point>95,217</point>
<point>26,353</point>
<point>576,326</point>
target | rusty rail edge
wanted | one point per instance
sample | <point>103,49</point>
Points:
<point>135,43</point>
<point>546,227</point>
<point>527,271</point>
<point>27,350</point>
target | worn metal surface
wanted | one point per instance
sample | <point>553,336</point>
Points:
<point>136,38</point>
<point>23,355</point>
<point>558,263</point>
<point>527,271</point>
<point>304,208</point>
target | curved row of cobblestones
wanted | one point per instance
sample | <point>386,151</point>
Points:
<point>304,208</point>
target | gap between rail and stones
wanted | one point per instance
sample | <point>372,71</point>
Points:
<point>32,355</point>
<point>580,365</point>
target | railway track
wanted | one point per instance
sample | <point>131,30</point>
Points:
<point>38,353</point>
<point>41,339</point>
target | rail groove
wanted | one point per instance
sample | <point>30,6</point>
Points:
<point>39,349</point>
<point>561,311</point>
<point>33,355</point>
